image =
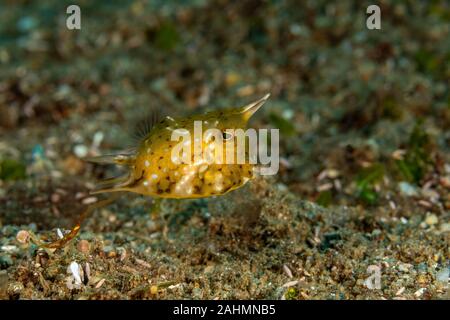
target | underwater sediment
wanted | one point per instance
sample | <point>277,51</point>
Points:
<point>364,175</point>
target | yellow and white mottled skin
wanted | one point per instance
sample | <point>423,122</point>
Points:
<point>152,171</point>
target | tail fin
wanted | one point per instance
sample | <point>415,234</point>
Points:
<point>113,184</point>
<point>117,183</point>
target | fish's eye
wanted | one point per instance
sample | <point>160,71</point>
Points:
<point>226,135</point>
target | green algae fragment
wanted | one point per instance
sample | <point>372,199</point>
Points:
<point>325,198</point>
<point>167,37</point>
<point>365,181</point>
<point>286,127</point>
<point>291,293</point>
<point>417,158</point>
<point>12,170</point>
<point>391,109</point>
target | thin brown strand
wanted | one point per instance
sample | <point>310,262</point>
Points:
<point>76,228</point>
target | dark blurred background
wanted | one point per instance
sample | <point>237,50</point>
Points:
<point>362,113</point>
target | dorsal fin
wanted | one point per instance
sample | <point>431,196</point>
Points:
<point>145,125</point>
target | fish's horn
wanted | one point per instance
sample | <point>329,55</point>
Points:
<point>251,108</point>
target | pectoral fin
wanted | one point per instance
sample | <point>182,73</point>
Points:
<point>119,159</point>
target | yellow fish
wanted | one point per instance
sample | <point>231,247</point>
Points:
<point>153,171</point>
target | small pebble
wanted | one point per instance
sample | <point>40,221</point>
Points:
<point>400,291</point>
<point>98,138</point>
<point>123,254</point>
<point>443,276</point>
<point>55,197</point>
<point>83,246</point>
<point>431,220</point>
<point>332,173</point>
<point>422,279</point>
<point>23,236</point>
<point>419,292</point>
<point>287,271</point>
<point>80,150</point>
<point>154,289</point>
<point>99,284</point>
<point>445,182</point>
<point>392,205</point>
<point>445,227</point>
<point>15,288</point>
<point>407,189</point>
<point>89,200</point>
<point>325,187</point>
<point>87,271</point>
<point>430,194</point>
<point>425,204</point>
<point>74,269</point>
<point>404,267</point>
<point>398,154</point>
<point>8,248</point>
<point>208,269</point>
<point>290,284</point>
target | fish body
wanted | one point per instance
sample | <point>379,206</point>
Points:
<point>155,171</point>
